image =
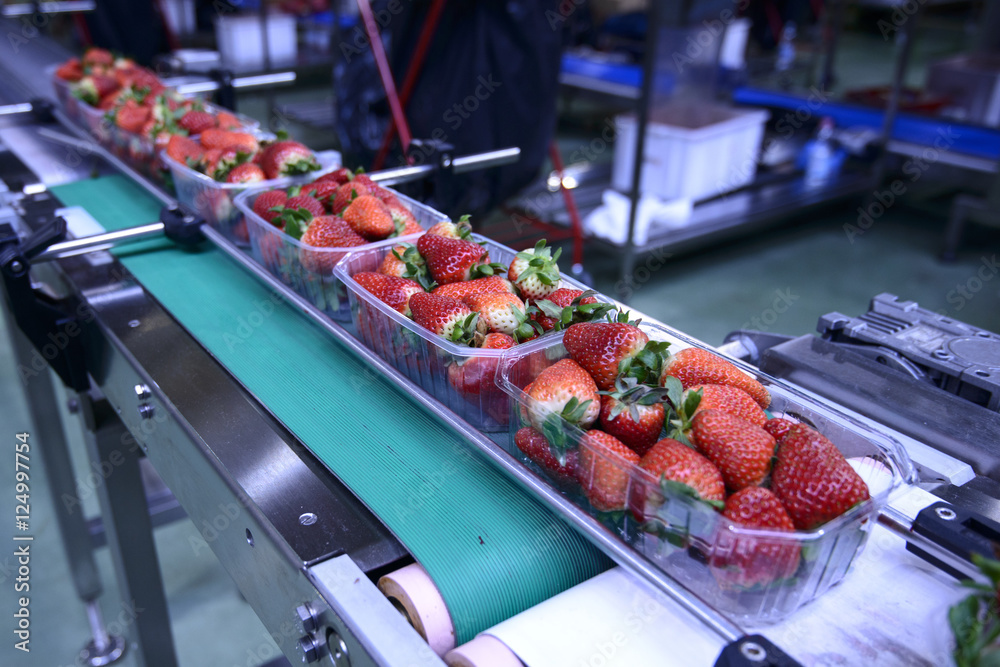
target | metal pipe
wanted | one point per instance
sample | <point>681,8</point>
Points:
<point>240,83</point>
<point>96,242</point>
<point>900,524</point>
<point>13,109</point>
<point>67,7</point>
<point>460,165</point>
<point>97,629</point>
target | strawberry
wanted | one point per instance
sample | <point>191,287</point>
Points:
<point>604,465</point>
<point>446,317</point>
<point>196,122</point>
<point>224,139</point>
<point>364,180</point>
<point>454,260</point>
<point>568,306</point>
<point>610,349</point>
<point>742,560</point>
<point>266,201</point>
<point>131,117</point>
<point>306,202</point>
<point>502,312</point>
<point>93,87</point>
<point>535,273</point>
<point>369,217</point>
<point>477,286</point>
<point>71,70</point>
<point>185,151</point>
<point>633,413</point>
<point>813,480</point>
<point>694,366</point>
<point>338,176</point>
<point>247,172</point>
<point>534,445</point>
<point>402,219</point>
<point>453,230</point>
<point>475,376</point>
<point>564,390</point>
<point>778,427</point>
<point>324,232</point>
<point>403,261</point>
<point>98,56</point>
<point>227,160</point>
<point>398,293</point>
<point>321,191</point>
<point>227,121</point>
<point>679,470</point>
<point>287,158</point>
<point>713,397</point>
<point>347,193</point>
<point>741,450</point>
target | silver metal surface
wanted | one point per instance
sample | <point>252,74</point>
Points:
<point>460,165</point>
<point>112,652</point>
<point>104,241</point>
<point>13,109</point>
<point>368,619</point>
<point>62,7</point>
<point>240,83</point>
<point>898,523</point>
<point>598,534</point>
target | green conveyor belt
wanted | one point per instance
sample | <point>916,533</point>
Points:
<point>492,550</point>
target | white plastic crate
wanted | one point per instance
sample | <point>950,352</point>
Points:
<point>692,151</point>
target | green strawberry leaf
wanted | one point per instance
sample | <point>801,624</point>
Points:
<point>675,391</point>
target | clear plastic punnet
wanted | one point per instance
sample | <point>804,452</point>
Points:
<point>215,201</point>
<point>755,576</point>
<point>460,377</point>
<point>307,269</point>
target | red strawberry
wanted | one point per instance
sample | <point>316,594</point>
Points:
<point>338,176</point>
<point>567,390</point>
<point>223,139</point>
<point>743,560</point>
<point>446,317</point>
<point>741,450</point>
<point>287,158</point>
<point>610,349</point>
<point>556,317</point>
<point>196,122</point>
<point>266,201</point>
<point>604,468</point>
<point>476,375</point>
<point>225,161</point>
<point>813,480</point>
<point>477,286</point>
<point>71,70</point>
<point>398,293</point>
<point>402,219</point>
<point>715,397</point>
<point>306,202</point>
<point>131,117</point>
<point>184,150</point>
<point>454,260</point>
<point>694,366</point>
<point>93,87</point>
<point>403,261</point>
<point>347,193</point>
<point>98,56</point>
<point>536,447</point>
<point>321,191</point>
<point>247,172</point>
<point>325,232</point>
<point>535,273</point>
<point>778,427</point>
<point>672,463</point>
<point>369,217</point>
<point>453,230</point>
<point>502,312</point>
<point>227,121</point>
<point>633,413</point>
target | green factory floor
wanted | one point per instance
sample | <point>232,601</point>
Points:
<point>779,281</point>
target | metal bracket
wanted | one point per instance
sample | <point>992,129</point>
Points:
<point>52,327</point>
<point>440,156</point>
<point>225,96</point>
<point>960,531</point>
<point>181,224</point>
<point>754,651</point>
